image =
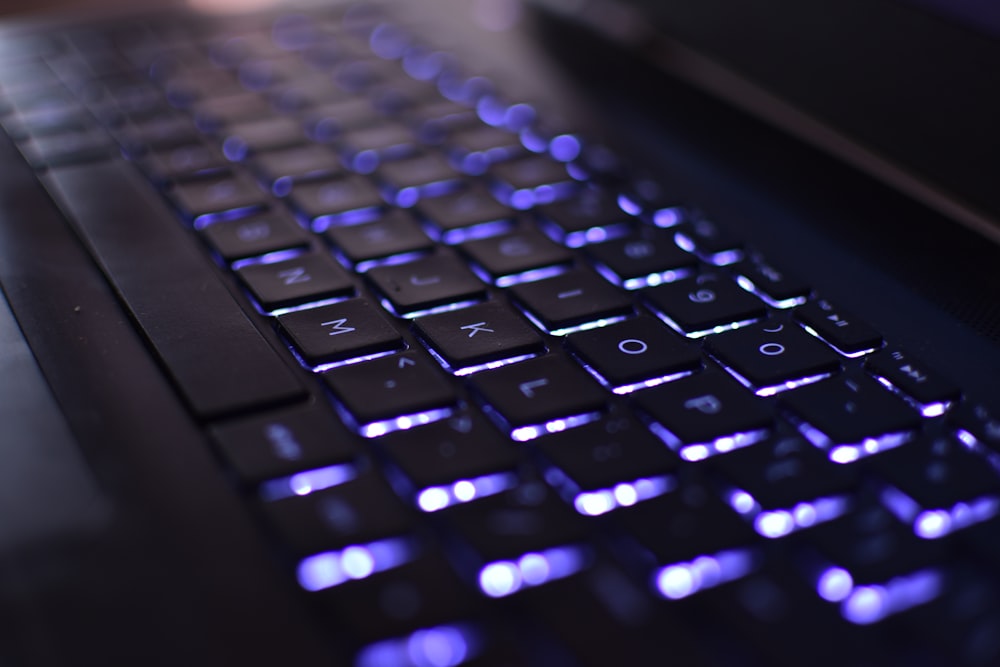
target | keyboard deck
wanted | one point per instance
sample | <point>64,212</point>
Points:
<point>521,409</point>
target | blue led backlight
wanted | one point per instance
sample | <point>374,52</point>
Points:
<point>668,217</point>
<point>526,433</point>
<point>850,452</point>
<point>437,498</point>
<point>629,204</point>
<point>779,522</point>
<point>704,450</point>
<point>304,483</point>
<point>502,578</point>
<point>751,287</point>
<point>565,147</point>
<point>429,311</point>
<point>928,410</point>
<point>934,523</point>
<point>626,494</point>
<point>332,568</point>
<point>835,584</point>
<point>681,580</point>
<point>480,231</point>
<point>528,276</point>
<point>586,326</point>
<point>866,605</point>
<point>442,646</point>
<point>404,423</point>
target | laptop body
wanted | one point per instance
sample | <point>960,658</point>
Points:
<point>137,546</point>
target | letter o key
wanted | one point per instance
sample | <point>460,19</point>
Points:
<point>632,346</point>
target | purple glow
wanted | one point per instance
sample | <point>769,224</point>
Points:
<point>503,578</point>
<point>442,646</point>
<point>586,326</point>
<point>526,433</point>
<point>749,286</point>
<point>835,584</point>
<point>304,483</point>
<point>565,147</point>
<point>405,423</point>
<point>935,523</point>
<point>437,498</point>
<point>332,568</point>
<point>629,205</point>
<point>668,217</point>
<point>478,231</point>
<point>682,580</point>
<point>702,451</point>
<point>531,276</point>
<point>429,311</point>
<point>866,605</point>
<point>626,494</point>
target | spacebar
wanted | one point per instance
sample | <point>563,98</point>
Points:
<point>216,356</point>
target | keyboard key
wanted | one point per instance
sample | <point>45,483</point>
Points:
<point>181,162</point>
<point>571,220</point>
<point>772,353</point>
<point>704,407</point>
<point>365,147</point>
<point>324,201</point>
<point>304,279</point>
<point>779,288</point>
<point>539,390</point>
<point>345,330</point>
<point>423,593</point>
<point>252,136</point>
<point>479,334</point>
<point>283,167</point>
<point>516,252</point>
<point>427,283</point>
<point>849,409</point>
<point>531,180</point>
<point>395,233</point>
<point>571,299</point>
<point>357,511</point>
<point>841,329</point>
<point>709,241</point>
<point>424,174</point>
<point>254,236</point>
<point>641,260</point>
<point>695,306</point>
<point>475,148</point>
<point>281,443</point>
<point>213,112</point>
<point>912,377</point>
<point>634,351</point>
<point>463,447</point>
<point>453,213</point>
<point>390,387</point>
<point>217,195</point>
<point>528,518</point>
<point>327,121</point>
<point>977,424</point>
<point>605,453</point>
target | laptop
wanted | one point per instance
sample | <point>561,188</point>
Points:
<point>571,332</point>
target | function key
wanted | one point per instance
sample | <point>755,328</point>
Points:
<point>572,299</point>
<point>394,234</point>
<point>346,330</point>
<point>851,416</point>
<point>426,284</point>
<point>381,392</point>
<point>932,391</point>
<point>254,236</point>
<point>776,287</point>
<point>705,304</point>
<point>535,392</point>
<point>841,329</point>
<point>773,355</point>
<point>633,354</point>
<point>480,334</point>
<point>709,241</point>
<point>292,282</point>
<point>508,257</point>
<point>642,260</point>
<point>705,414</point>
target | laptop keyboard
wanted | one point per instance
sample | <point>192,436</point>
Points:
<point>538,417</point>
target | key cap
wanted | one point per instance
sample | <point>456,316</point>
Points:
<point>475,148</point>
<point>309,277</point>
<point>454,214</point>
<point>937,473</point>
<point>783,471</point>
<point>539,390</point>
<point>282,168</point>
<point>704,407</point>
<point>67,148</point>
<point>328,121</point>
<point>570,299</point>
<point>709,241</point>
<point>697,305</point>
<point>685,524</point>
<point>395,233</point>
<point>850,408</point>
<point>252,136</point>
<point>775,286</point>
<point>516,252</point>
<point>772,353</point>
<point>156,132</point>
<point>427,283</point>
<point>278,444</point>
<point>255,235</point>
<point>217,195</point>
<point>182,162</point>
<point>364,148</point>
<point>463,447</point>
<point>873,546</point>
<point>589,217</point>
<point>911,376</point>
<point>326,201</point>
<point>604,453</point>
<point>345,330</point>
<point>525,519</point>
<point>641,260</point>
<point>634,351</point>
<point>420,594</point>
<point>977,424</point>
<point>841,329</point>
<point>479,334</point>
<point>358,511</point>
<point>228,366</point>
<point>424,174</point>
<point>530,180</point>
<point>216,111</point>
<point>389,387</point>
